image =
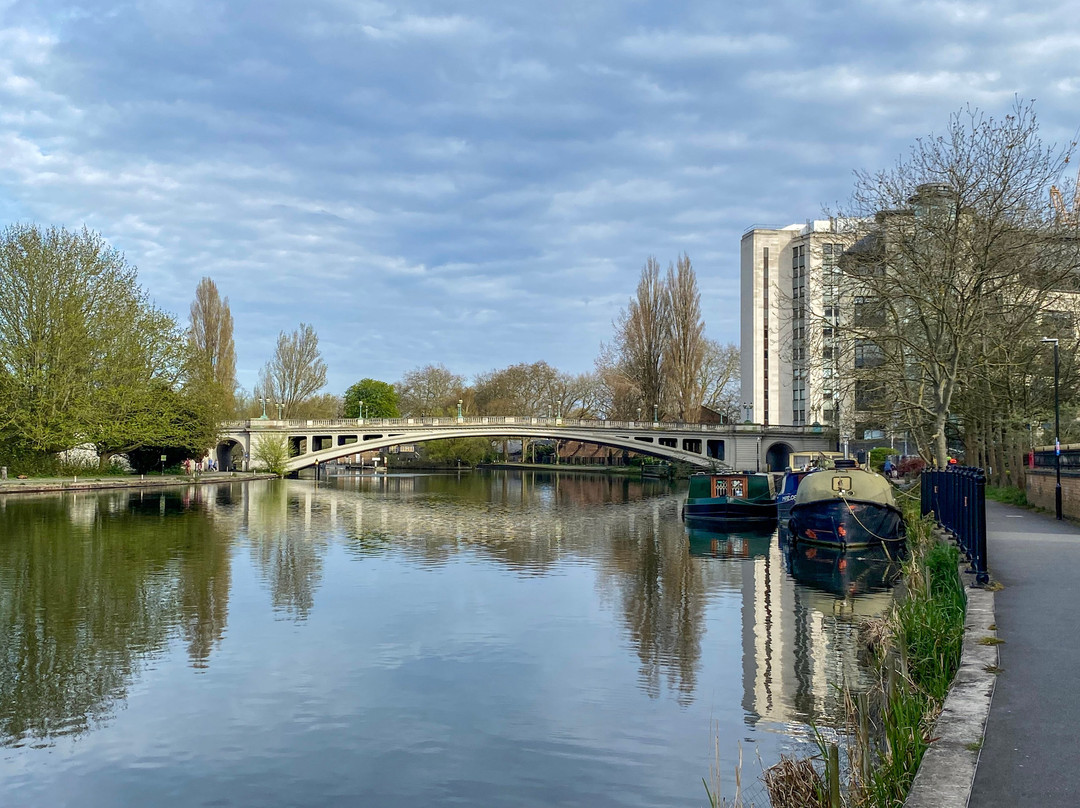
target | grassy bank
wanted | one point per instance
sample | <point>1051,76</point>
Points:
<point>917,659</point>
<point>1008,494</point>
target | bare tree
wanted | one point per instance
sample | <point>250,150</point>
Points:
<point>684,351</point>
<point>211,347</point>
<point>429,390</point>
<point>963,241</point>
<point>296,372</point>
<point>719,377</point>
<point>641,335</point>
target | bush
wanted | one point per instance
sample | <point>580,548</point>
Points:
<point>911,465</point>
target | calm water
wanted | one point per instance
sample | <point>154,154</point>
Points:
<point>498,639</point>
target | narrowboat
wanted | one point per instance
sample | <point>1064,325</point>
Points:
<point>846,508</point>
<point>786,497</point>
<point>731,499</point>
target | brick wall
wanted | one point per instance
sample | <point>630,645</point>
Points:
<point>1040,490</point>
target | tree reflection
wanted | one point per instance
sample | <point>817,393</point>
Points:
<point>91,586</point>
<point>289,530</point>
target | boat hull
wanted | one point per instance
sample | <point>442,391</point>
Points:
<point>846,523</point>
<point>725,511</point>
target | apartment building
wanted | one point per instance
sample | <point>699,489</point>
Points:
<point>789,306</point>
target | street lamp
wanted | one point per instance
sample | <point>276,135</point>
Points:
<point>749,407</point>
<point>656,412</point>
<point>459,409</point>
<point>361,410</point>
<point>263,416</point>
<point>639,413</point>
<point>1057,431</point>
<point>280,407</point>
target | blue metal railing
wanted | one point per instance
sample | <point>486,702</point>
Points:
<point>957,498</point>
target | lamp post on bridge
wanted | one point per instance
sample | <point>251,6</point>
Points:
<point>263,417</point>
<point>459,410</point>
<point>656,413</point>
<point>1057,431</point>
<point>280,407</point>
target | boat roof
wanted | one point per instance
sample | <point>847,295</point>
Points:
<point>852,483</point>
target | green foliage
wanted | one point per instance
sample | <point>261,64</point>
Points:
<point>272,453</point>
<point>469,451</point>
<point>878,455</point>
<point>380,400</point>
<point>85,357</point>
<point>1009,494</point>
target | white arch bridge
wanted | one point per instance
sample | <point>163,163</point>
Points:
<point>732,446</point>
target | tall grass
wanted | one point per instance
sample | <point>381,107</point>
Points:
<point>1009,494</point>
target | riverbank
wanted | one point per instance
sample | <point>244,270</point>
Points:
<point>45,485</point>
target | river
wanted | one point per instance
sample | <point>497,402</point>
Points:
<point>489,639</point>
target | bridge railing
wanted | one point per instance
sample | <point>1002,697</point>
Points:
<point>507,420</point>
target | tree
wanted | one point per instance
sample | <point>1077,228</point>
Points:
<point>962,243</point>
<point>380,400</point>
<point>641,334</point>
<point>296,372</point>
<point>211,348</point>
<point>467,451</point>
<point>719,378</point>
<point>684,352</point>
<point>271,453</point>
<point>85,357</point>
<point>430,390</point>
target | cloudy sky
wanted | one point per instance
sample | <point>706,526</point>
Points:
<point>478,183</point>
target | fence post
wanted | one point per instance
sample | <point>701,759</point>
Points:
<point>982,574</point>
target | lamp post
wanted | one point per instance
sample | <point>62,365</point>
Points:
<point>749,411</point>
<point>361,410</point>
<point>1057,431</point>
<point>263,416</point>
<point>639,413</point>
<point>656,412</point>
<point>459,410</point>
<point>280,407</point>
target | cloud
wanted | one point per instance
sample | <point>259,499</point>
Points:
<point>476,186</point>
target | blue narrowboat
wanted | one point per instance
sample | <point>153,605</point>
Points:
<point>846,508</point>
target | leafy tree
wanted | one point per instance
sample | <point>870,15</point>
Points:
<point>296,372</point>
<point>380,400</point>
<point>469,451</point>
<point>271,452</point>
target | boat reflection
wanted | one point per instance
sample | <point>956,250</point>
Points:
<point>846,574</point>
<point>745,543</point>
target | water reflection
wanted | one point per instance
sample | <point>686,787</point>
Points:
<point>514,591</point>
<point>801,608</point>
<point>90,587</point>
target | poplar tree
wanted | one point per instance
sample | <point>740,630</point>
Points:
<point>212,349</point>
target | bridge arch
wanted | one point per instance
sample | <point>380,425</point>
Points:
<point>778,456</point>
<point>229,454</point>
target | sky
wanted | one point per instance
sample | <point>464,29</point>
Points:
<point>478,184</point>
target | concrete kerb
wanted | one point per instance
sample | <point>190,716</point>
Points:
<point>947,771</point>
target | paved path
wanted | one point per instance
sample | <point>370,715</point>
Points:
<point>1031,753</point>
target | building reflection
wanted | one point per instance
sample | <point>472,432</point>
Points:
<point>801,612</point>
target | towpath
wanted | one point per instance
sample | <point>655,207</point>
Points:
<point>1031,752</point>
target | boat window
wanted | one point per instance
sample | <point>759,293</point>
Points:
<point>841,483</point>
<point>719,487</point>
<point>737,489</point>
